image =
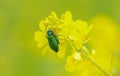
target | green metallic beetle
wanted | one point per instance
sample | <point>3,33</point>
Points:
<point>53,40</point>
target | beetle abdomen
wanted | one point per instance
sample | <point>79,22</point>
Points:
<point>53,43</point>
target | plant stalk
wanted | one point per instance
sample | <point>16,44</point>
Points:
<point>93,62</point>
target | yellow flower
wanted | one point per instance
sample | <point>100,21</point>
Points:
<point>70,33</point>
<point>76,31</point>
<point>73,61</point>
<point>50,23</point>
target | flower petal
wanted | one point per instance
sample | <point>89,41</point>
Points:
<point>70,65</point>
<point>46,48</point>
<point>82,28</point>
<point>67,20</point>
<point>42,26</point>
<point>61,53</point>
<point>40,38</point>
<point>76,39</point>
<point>62,49</point>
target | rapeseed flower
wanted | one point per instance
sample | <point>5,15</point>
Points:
<point>70,33</point>
<point>66,35</point>
<point>51,22</point>
<point>73,61</point>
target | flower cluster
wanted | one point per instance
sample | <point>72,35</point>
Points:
<point>70,33</point>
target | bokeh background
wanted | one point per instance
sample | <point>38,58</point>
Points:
<point>19,19</point>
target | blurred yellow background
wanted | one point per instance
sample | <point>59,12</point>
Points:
<point>19,19</point>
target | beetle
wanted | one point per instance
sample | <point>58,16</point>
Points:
<point>53,40</point>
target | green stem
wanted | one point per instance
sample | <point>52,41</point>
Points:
<point>93,62</point>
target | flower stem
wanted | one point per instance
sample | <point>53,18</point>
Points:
<point>93,62</point>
